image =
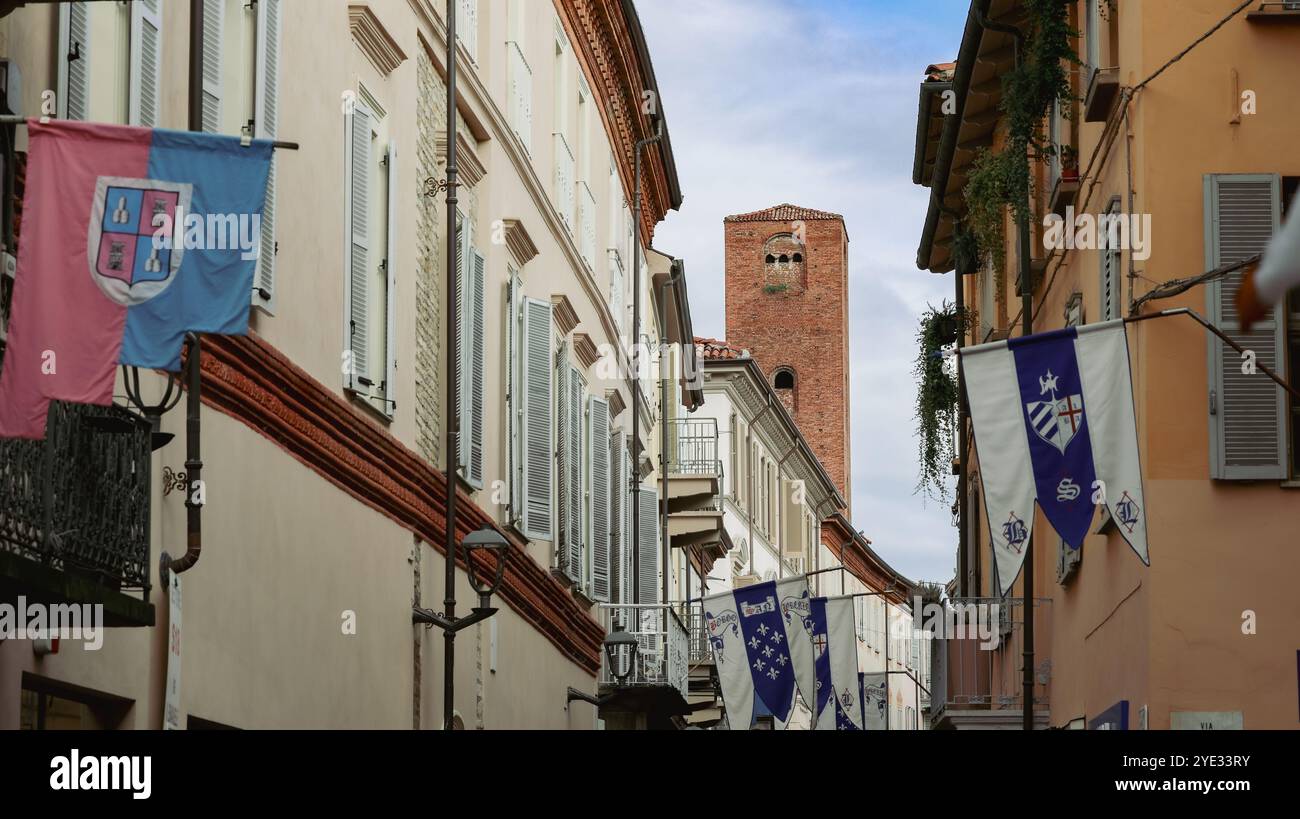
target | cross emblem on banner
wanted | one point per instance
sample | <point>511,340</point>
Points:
<point>819,642</point>
<point>1067,411</point>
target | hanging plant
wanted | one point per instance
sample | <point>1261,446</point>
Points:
<point>936,398</point>
<point>1000,180</point>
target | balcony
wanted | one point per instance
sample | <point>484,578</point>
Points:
<point>1278,11</point>
<point>519,108</point>
<point>694,489</point>
<point>74,522</point>
<point>1103,91</point>
<point>982,688</point>
<point>655,691</point>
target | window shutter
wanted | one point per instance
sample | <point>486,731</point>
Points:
<point>146,62</point>
<point>390,272</point>
<point>74,61</point>
<point>475,386</point>
<point>793,519</point>
<point>648,549</point>
<point>213,19</point>
<point>569,451</point>
<point>1247,411</point>
<point>577,540</point>
<point>358,261</point>
<point>618,482</point>
<point>1111,259</point>
<point>535,431</point>
<point>598,415</point>
<point>514,399</point>
<point>464,343</point>
<point>266,100</point>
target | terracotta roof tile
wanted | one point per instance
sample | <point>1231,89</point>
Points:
<point>784,213</point>
<point>940,72</point>
<point>715,349</point>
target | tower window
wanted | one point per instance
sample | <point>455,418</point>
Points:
<point>783,383</point>
<point>784,380</point>
<point>783,264</point>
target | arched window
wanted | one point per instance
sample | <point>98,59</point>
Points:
<point>783,257</point>
<point>783,381</point>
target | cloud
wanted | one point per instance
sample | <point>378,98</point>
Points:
<point>815,103</point>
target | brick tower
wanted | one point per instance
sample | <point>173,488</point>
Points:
<point>788,304</point>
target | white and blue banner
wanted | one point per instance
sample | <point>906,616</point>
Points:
<point>750,649</point>
<point>835,645</point>
<point>796,614</point>
<point>1054,423</point>
<point>874,690</point>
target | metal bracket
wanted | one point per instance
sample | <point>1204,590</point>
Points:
<point>433,186</point>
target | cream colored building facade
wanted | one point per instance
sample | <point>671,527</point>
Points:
<point>323,431</point>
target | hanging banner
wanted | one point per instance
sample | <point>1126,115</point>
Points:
<point>749,646</point>
<point>1054,423</point>
<point>875,699</point>
<point>835,643</point>
<point>796,614</point>
<point>131,238</point>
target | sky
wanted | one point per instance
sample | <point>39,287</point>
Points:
<point>814,102</point>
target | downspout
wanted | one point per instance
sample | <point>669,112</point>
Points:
<point>193,467</point>
<point>749,513</point>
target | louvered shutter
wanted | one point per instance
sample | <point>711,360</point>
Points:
<point>464,346</point>
<point>266,100</point>
<point>514,400</point>
<point>741,474</point>
<point>617,514</point>
<point>598,415</point>
<point>568,452</point>
<point>574,467</point>
<point>1247,410</point>
<point>390,271</point>
<point>146,63</point>
<point>358,192</point>
<point>629,508</point>
<point>74,61</point>
<point>794,519</point>
<point>475,385</point>
<point>536,442</point>
<point>648,548</point>
<point>213,20</point>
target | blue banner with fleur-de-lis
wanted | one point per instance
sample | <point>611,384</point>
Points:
<point>766,649</point>
<point>835,643</point>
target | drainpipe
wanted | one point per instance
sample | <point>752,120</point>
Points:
<point>636,360</point>
<point>196,66</point>
<point>193,468</point>
<point>673,276</point>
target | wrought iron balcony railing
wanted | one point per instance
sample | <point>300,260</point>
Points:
<point>663,654</point>
<point>973,673</point>
<point>78,502</point>
<point>696,450</point>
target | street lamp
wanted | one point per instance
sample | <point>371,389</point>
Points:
<point>621,650</point>
<point>485,539</point>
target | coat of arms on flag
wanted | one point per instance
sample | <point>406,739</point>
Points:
<point>131,255</point>
<point>1056,420</point>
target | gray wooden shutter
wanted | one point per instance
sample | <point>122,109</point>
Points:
<point>617,514</point>
<point>390,271</point>
<point>648,548</point>
<point>73,61</point>
<point>358,261</point>
<point>535,431</point>
<point>475,386</point>
<point>1248,422</point>
<point>574,466</point>
<point>464,346</point>
<point>266,103</point>
<point>145,63</point>
<point>566,427</point>
<point>598,414</point>
<point>1110,262</point>
<point>513,366</point>
<point>213,20</point>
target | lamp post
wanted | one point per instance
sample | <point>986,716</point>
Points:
<point>484,540</point>
<point>619,644</point>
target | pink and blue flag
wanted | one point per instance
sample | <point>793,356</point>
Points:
<point>131,238</point>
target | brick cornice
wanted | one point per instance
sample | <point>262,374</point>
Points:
<point>253,382</point>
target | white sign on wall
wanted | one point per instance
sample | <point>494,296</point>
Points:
<point>1205,721</point>
<point>172,703</point>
